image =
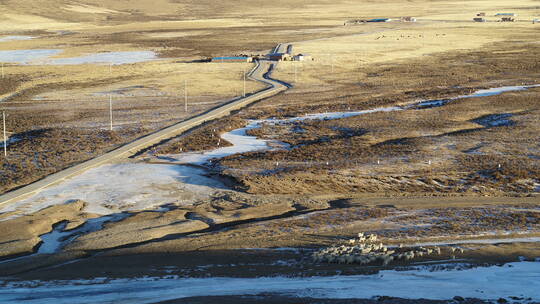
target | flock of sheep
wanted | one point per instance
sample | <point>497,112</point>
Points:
<point>366,250</point>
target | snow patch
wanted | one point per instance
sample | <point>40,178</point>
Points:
<point>115,188</point>
<point>55,240</point>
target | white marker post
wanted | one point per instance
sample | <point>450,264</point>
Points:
<point>110,111</point>
<point>244,84</point>
<point>185,95</point>
<point>5,136</point>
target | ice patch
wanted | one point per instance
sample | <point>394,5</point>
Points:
<point>123,187</point>
<point>9,141</point>
<point>495,120</point>
<point>42,56</point>
<point>521,279</point>
<point>27,56</point>
<point>14,38</point>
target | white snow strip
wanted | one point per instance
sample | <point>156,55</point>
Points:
<point>479,93</point>
<point>123,187</point>
<point>241,143</point>
<point>521,279</point>
<point>14,38</point>
<point>332,115</point>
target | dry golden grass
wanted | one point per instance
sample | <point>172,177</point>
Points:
<point>186,30</point>
<point>339,156</point>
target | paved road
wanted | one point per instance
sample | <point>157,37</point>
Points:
<point>259,73</point>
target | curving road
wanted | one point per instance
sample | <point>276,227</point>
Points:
<point>260,73</point>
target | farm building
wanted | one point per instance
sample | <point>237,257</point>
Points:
<point>481,14</point>
<point>233,59</point>
<point>408,19</point>
<point>507,19</point>
<point>302,57</point>
<point>479,19</point>
<point>279,57</point>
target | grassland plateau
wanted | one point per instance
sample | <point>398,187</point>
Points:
<point>425,134</point>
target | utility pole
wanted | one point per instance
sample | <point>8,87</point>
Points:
<point>5,136</point>
<point>185,95</point>
<point>110,111</point>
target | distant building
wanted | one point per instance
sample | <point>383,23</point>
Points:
<point>536,21</point>
<point>279,57</point>
<point>233,59</point>
<point>408,19</point>
<point>479,19</point>
<point>302,57</point>
<point>481,14</point>
<point>506,14</point>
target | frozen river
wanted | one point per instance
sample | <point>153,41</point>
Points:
<point>520,279</point>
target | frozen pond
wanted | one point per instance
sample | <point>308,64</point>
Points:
<point>242,143</point>
<point>520,279</point>
<point>43,56</point>
<point>15,38</point>
<point>27,56</point>
<point>115,188</point>
<point>110,58</point>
